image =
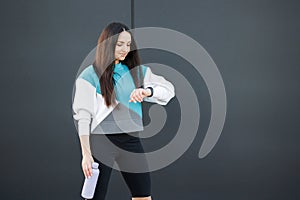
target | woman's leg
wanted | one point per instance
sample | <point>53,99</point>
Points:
<point>105,156</point>
<point>139,184</point>
<point>103,181</point>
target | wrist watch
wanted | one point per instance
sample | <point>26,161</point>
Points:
<point>151,89</point>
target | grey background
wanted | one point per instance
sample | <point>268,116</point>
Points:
<point>256,46</point>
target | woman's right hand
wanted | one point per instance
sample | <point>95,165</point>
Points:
<point>87,161</point>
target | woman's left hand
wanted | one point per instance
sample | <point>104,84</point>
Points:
<point>139,94</point>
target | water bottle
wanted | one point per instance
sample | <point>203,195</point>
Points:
<point>89,185</point>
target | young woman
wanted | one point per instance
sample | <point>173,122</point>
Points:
<point>107,105</point>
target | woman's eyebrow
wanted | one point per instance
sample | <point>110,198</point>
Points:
<point>122,41</point>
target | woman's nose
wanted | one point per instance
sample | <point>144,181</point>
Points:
<point>125,48</point>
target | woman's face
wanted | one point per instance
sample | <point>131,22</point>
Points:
<point>122,46</point>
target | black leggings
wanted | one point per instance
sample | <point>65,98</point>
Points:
<point>139,184</point>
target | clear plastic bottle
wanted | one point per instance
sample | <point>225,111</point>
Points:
<point>89,185</point>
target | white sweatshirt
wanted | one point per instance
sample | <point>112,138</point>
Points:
<point>94,117</point>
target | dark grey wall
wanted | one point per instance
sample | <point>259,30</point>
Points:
<point>255,45</point>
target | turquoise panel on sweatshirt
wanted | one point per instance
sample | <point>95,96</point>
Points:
<point>124,84</point>
<point>144,68</point>
<point>90,76</point>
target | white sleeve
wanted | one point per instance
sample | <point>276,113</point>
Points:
<point>83,105</point>
<point>163,90</point>
<point>84,122</point>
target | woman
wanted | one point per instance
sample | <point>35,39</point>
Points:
<point>107,105</point>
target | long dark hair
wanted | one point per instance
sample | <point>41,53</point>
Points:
<point>105,61</point>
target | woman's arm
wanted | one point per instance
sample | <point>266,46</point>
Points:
<point>83,107</point>
<point>163,90</point>
<point>139,94</point>
<point>87,158</point>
